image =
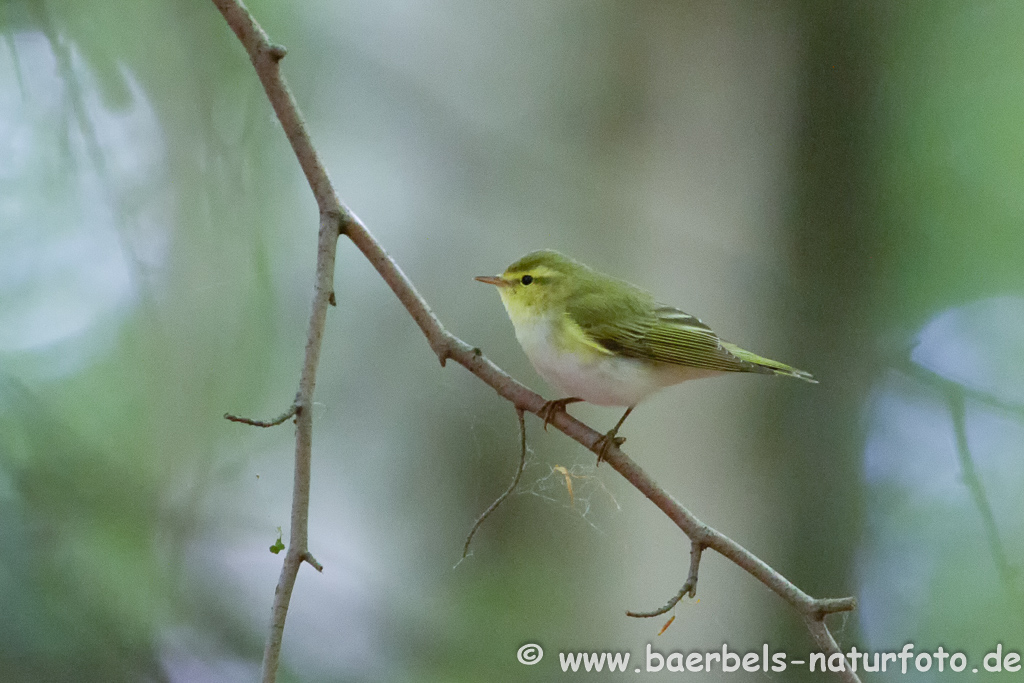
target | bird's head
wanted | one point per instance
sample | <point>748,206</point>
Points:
<point>537,284</point>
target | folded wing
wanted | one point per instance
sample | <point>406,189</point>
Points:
<point>667,335</point>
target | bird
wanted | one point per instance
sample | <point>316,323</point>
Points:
<point>602,340</point>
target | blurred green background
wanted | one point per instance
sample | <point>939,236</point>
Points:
<point>834,184</point>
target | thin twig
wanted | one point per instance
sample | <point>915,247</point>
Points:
<point>337,219</point>
<point>689,588</point>
<point>508,492</point>
<point>1007,572</point>
<point>264,423</point>
<point>967,392</point>
<point>308,558</point>
<point>956,395</point>
<point>265,57</point>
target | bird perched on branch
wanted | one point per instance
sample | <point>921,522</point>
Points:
<point>604,341</point>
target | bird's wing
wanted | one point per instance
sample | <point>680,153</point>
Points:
<point>630,323</point>
<point>767,364</point>
<point>666,335</point>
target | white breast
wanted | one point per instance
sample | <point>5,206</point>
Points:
<point>597,378</point>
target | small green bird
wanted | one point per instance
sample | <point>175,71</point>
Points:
<point>604,341</point>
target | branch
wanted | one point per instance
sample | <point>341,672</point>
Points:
<point>335,218</point>
<point>956,395</point>
<point>1007,572</point>
<point>689,588</point>
<point>265,58</point>
<point>280,419</point>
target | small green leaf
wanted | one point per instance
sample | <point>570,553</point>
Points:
<point>278,544</point>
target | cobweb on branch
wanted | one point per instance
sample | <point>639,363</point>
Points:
<point>575,486</point>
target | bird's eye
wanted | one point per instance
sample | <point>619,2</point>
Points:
<point>526,279</point>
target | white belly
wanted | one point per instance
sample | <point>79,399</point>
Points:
<point>597,378</point>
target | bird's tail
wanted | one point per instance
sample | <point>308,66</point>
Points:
<point>771,366</point>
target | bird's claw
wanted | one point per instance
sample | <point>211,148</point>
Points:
<point>606,442</point>
<point>548,410</point>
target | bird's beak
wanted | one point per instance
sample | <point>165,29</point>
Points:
<point>493,280</point>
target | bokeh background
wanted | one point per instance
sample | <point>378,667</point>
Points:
<point>834,184</point>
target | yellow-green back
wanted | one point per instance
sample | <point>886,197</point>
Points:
<point>619,317</point>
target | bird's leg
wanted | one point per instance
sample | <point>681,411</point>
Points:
<point>610,437</point>
<point>551,407</point>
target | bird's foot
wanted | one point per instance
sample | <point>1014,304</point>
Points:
<point>608,439</point>
<point>547,412</point>
<point>606,442</point>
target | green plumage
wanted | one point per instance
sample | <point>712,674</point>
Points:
<point>627,321</point>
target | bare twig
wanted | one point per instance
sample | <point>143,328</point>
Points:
<point>689,588</point>
<point>337,219</point>
<point>949,386</point>
<point>956,396</point>
<point>266,57</point>
<point>512,487</point>
<point>1007,572</point>
<point>280,419</point>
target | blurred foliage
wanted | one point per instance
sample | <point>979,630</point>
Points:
<point>833,184</point>
<point>913,173</point>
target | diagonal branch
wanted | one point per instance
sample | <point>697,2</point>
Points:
<point>956,396</point>
<point>337,219</point>
<point>1007,572</point>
